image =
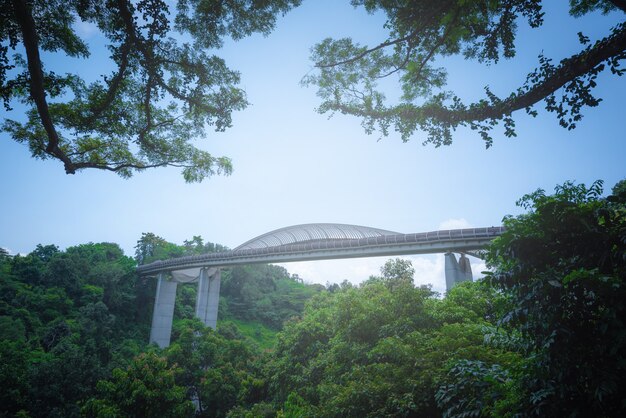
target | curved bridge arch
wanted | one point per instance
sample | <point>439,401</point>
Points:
<point>312,232</point>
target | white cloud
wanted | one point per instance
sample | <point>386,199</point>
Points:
<point>460,223</point>
<point>429,270</point>
<point>84,29</point>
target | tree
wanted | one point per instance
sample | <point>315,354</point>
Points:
<point>166,85</point>
<point>563,268</point>
<point>421,32</point>
<point>397,271</point>
<point>67,318</point>
<point>216,368</point>
<point>147,388</point>
<point>379,350</point>
<point>13,376</point>
<point>4,254</point>
<point>151,247</point>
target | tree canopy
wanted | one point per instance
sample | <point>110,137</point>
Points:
<point>563,266</point>
<point>421,33</point>
<point>164,89</point>
<point>541,335</point>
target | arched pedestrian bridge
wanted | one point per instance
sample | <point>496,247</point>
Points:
<point>307,242</point>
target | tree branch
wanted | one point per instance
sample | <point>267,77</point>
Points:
<point>119,167</point>
<point>408,37</point>
<point>37,90</point>
<point>568,70</point>
<point>148,55</point>
<point>115,81</point>
<point>439,43</point>
<point>367,51</point>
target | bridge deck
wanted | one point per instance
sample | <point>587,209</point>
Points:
<point>456,240</point>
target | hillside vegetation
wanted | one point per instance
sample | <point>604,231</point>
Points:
<point>541,335</point>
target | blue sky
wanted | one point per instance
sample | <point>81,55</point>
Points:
<point>293,166</point>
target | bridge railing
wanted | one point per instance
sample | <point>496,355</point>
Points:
<point>479,236</point>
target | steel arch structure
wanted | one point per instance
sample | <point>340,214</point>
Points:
<point>312,232</point>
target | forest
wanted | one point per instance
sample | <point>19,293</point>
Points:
<point>540,334</point>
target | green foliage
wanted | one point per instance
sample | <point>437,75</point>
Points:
<point>151,247</point>
<point>396,273</point>
<point>543,334</point>
<point>563,266</point>
<point>474,389</point>
<point>13,375</point>
<point>263,293</point>
<point>62,377</point>
<point>422,33</point>
<point>147,388</point>
<point>63,317</point>
<point>165,88</point>
<point>379,350</point>
<point>261,334</point>
<point>216,367</point>
<point>69,318</point>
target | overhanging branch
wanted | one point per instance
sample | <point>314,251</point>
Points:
<point>25,19</point>
<point>568,70</point>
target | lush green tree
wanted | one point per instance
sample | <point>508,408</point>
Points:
<point>563,268</point>
<point>151,247</point>
<point>396,272</point>
<point>422,32</point>
<point>166,85</point>
<point>66,319</point>
<point>474,388</point>
<point>217,367</point>
<point>61,378</point>
<point>13,376</point>
<point>147,388</point>
<point>380,350</point>
<point>4,254</point>
<point>196,245</point>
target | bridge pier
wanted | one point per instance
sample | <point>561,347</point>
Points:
<point>457,271</point>
<point>208,299</point>
<point>163,311</point>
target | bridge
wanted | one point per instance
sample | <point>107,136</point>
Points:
<point>303,243</point>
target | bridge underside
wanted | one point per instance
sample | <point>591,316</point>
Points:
<point>303,243</point>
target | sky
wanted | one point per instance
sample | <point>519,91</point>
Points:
<point>294,166</point>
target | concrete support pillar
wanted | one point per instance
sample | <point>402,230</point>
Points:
<point>457,272</point>
<point>466,268</point>
<point>163,312</point>
<point>208,298</point>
